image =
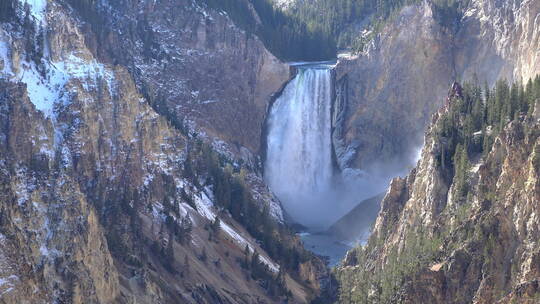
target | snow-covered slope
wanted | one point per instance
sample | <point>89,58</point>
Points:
<point>96,203</point>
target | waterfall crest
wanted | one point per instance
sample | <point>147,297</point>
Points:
<point>298,166</point>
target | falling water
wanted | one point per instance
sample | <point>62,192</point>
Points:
<point>299,166</point>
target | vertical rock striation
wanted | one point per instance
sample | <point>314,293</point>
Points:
<point>403,76</point>
<point>104,196</point>
<point>431,244</point>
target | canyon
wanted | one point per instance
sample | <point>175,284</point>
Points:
<point>158,152</point>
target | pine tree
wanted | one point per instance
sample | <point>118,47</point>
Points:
<point>186,226</point>
<point>461,167</point>
<point>246,257</point>
<point>216,225</point>
<point>514,103</point>
<point>204,255</point>
<point>8,9</point>
<point>186,264</point>
<point>255,263</point>
<point>169,252</point>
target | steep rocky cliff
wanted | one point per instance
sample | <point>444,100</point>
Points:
<point>402,76</point>
<point>130,137</point>
<point>461,229</point>
<point>108,195</point>
<point>356,224</point>
<point>193,64</point>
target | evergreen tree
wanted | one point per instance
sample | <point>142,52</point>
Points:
<point>204,256</point>
<point>169,252</point>
<point>186,264</point>
<point>216,225</point>
<point>8,9</point>
<point>246,257</point>
<point>461,167</point>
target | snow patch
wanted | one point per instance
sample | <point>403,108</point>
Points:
<point>204,207</point>
<point>42,92</point>
<point>4,57</point>
<point>8,283</point>
<point>148,179</point>
<point>46,90</point>
<point>157,211</point>
<point>474,169</point>
<point>208,101</point>
<point>37,9</point>
<point>243,242</point>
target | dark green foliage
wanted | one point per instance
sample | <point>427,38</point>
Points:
<point>115,243</point>
<point>277,286</point>
<point>33,38</point>
<point>159,104</point>
<point>213,229</point>
<point>185,267</point>
<point>274,284</point>
<point>8,9</point>
<point>232,194</point>
<point>169,253</point>
<point>475,118</point>
<point>119,214</point>
<point>188,199</point>
<point>184,234</point>
<point>285,36</point>
<point>216,225</point>
<point>464,132</point>
<point>204,256</point>
<point>448,12</point>
<point>461,163</point>
<point>337,18</point>
<point>420,250</point>
<point>256,266</point>
<point>89,11</point>
<point>342,19</point>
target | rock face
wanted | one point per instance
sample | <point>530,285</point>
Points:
<point>355,225</point>
<point>195,63</point>
<point>430,245</point>
<point>104,196</point>
<point>499,39</point>
<point>403,76</point>
<point>389,96</point>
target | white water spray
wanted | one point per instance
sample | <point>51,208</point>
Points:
<point>299,166</point>
<point>299,147</point>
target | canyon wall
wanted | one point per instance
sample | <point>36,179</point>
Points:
<point>403,75</point>
<point>435,242</point>
<point>111,150</point>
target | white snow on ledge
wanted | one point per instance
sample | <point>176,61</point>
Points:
<point>45,91</point>
<point>37,8</point>
<point>46,82</point>
<point>204,207</point>
<point>4,58</point>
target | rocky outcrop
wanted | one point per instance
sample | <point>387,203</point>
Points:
<point>394,87</point>
<point>196,65</point>
<point>284,4</point>
<point>429,244</point>
<point>356,224</point>
<point>106,199</point>
<point>498,39</point>
<point>403,76</point>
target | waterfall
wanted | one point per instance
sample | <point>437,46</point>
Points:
<point>298,166</point>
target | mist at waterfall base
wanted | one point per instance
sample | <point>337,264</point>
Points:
<point>299,167</point>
